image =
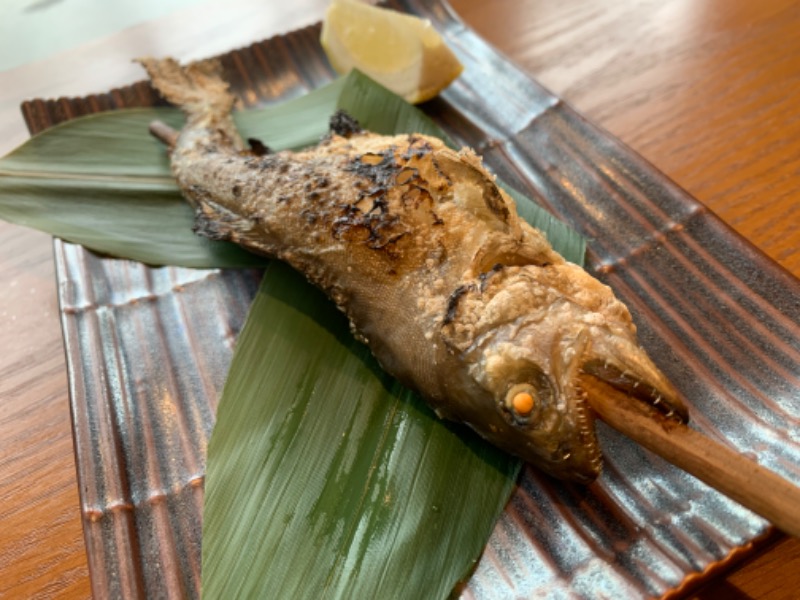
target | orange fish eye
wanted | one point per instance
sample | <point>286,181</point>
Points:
<point>521,400</point>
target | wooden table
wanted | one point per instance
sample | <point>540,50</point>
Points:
<point>708,91</point>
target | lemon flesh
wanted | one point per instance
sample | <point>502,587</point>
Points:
<point>402,52</point>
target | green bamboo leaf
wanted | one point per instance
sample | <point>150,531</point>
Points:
<point>325,478</point>
<point>101,181</point>
<point>379,110</point>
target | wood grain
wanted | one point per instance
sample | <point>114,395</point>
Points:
<point>707,91</point>
<point>42,551</point>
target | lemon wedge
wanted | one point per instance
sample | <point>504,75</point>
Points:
<point>402,52</point>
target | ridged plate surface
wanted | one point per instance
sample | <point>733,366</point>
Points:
<point>148,350</point>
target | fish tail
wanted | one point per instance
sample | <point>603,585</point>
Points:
<point>197,88</point>
<point>200,91</point>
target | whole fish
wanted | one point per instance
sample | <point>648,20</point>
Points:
<point>453,292</point>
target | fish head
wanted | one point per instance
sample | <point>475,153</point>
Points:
<point>534,332</point>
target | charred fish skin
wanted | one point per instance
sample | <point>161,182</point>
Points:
<point>455,295</point>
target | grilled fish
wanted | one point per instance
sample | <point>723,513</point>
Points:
<point>453,292</point>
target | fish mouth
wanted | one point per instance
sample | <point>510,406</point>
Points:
<point>628,369</point>
<point>662,398</point>
<point>623,365</point>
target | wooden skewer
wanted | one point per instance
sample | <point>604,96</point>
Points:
<point>739,478</point>
<point>164,133</point>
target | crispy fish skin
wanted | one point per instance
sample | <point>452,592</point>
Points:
<point>455,295</point>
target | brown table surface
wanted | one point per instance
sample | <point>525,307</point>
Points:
<point>708,91</point>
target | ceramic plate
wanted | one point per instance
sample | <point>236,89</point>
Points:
<point>148,350</point>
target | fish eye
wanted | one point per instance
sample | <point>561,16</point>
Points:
<point>529,397</point>
<point>522,402</point>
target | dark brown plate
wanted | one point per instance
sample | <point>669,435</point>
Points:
<point>148,350</point>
